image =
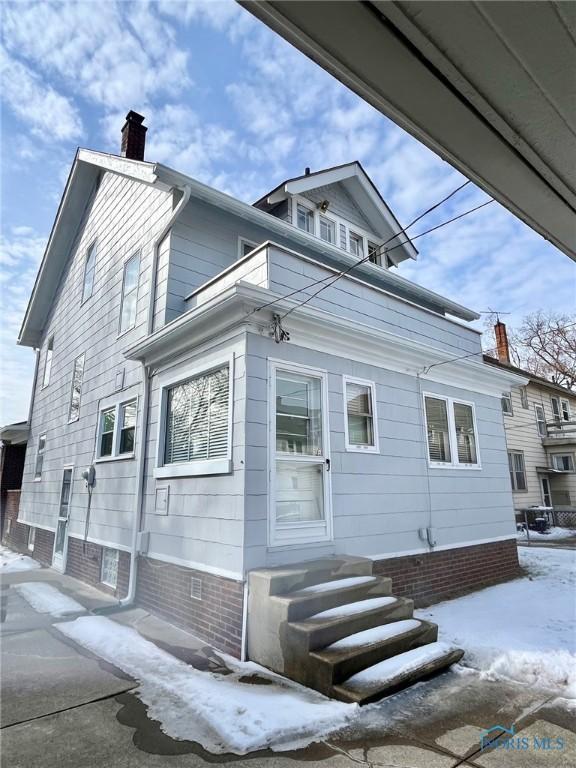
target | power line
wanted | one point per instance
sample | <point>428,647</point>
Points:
<point>367,258</point>
<point>387,250</point>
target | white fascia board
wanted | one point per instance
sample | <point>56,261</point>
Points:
<point>267,221</point>
<point>322,331</point>
<point>139,170</point>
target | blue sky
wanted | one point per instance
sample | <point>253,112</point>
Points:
<point>233,105</point>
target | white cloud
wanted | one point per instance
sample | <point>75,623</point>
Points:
<point>48,113</point>
<point>20,254</point>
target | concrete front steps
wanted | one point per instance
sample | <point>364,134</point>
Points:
<point>333,626</point>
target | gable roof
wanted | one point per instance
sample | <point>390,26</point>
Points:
<point>533,378</point>
<point>363,191</point>
<point>84,174</point>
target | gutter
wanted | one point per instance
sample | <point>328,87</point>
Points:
<point>146,374</point>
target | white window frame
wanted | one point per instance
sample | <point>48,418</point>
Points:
<point>353,235</point>
<point>93,246</point>
<point>513,472</point>
<point>452,437</point>
<point>38,477</point>
<point>309,206</point>
<point>112,585</point>
<point>332,223</point>
<point>48,357</point>
<point>117,407</point>
<point>564,411</point>
<point>538,406</point>
<point>72,419</point>
<point>242,241</point>
<point>178,375</point>
<point>508,397</point>
<point>569,454</point>
<point>353,447</point>
<point>136,255</point>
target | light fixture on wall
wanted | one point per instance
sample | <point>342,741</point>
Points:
<point>323,206</point>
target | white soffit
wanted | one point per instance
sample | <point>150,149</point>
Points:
<point>489,86</point>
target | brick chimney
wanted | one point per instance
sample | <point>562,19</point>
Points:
<point>133,137</point>
<point>502,347</point>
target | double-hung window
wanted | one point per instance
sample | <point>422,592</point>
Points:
<point>506,402</point>
<point>40,457</point>
<point>77,377</point>
<point>360,415</point>
<point>129,293</point>
<point>305,218</point>
<point>560,409</point>
<point>517,470</point>
<point>48,362</point>
<point>524,397</point>
<point>541,420</point>
<point>327,229</point>
<point>374,256</point>
<point>451,432</point>
<point>356,244</point>
<point>197,430</point>
<point>89,272</point>
<point>563,462</point>
<point>116,430</point>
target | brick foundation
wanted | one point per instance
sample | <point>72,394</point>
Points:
<point>84,563</point>
<point>165,589</point>
<point>435,576</point>
<point>43,546</point>
<point>14,534</point>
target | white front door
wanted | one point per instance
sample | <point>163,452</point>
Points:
<point>300,508</point>
<point>61,538</point>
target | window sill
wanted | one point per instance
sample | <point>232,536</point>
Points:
<point>442,465</point>
<point>362,449</point>
<point>196,469</point>
<point>121,457</point>
<point>37,480</point>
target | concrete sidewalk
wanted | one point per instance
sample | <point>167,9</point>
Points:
<point>62,707</point>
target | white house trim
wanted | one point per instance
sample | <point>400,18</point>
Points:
<point>353,447</point>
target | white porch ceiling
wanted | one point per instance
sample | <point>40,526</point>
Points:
<point>489,86</point>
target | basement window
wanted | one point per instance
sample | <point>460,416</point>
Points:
<point>109,567</point>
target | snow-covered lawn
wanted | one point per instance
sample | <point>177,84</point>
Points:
<point>553,534</point>
<point>218,711</point>
<point>45,598</point>
<point>524,630</point>
<point>11,562</point>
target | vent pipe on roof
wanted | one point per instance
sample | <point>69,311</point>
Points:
<point>306,171</point>
<point>502,346</point>
<point>133,137</point>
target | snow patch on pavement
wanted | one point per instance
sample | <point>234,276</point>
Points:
<point>553,534</point>
<point>12,562</point>
<point>524,630</point>
<point>45,598</point>
<point>219,712</point>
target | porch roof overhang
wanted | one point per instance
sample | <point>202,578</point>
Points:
<point>237,309</point>
<point>487,86</point>
<point>15,434</point>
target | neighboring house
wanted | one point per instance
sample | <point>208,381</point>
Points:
<point>13,439</point>
<point>540,423</point>
<point>218,445</point>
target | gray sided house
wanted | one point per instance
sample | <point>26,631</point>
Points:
<point>210,431</point>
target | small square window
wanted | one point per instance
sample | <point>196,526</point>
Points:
<point>563,462</point>
<point>109,568</point>
<point>305,218</point>
<point>245,247</point>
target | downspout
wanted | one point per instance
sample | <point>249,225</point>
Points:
<point>146,375</point>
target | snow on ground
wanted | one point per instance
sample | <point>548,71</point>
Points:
<point>45,598</point>
<point>220,712</point>
<point>553,534</point>
<point>11,562</point>
<point>524,630</point>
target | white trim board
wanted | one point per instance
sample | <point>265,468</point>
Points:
<point>441,547</point>
<point>195,566</point>
<point>101,542</point>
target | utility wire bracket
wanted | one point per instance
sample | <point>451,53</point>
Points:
<point>277,331</point>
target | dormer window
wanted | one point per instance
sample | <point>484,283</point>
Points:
<point>356,245</point>
<point>327,229</point>
<point>305,218</point>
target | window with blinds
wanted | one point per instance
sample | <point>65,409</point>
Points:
<point>438,431</point>
<point>197,418</point>
<point>361,432</point>
<point>451,430</point>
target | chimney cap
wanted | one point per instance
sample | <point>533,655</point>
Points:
<point>134,117</point>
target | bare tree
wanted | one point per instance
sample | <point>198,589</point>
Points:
<point>545,345</point>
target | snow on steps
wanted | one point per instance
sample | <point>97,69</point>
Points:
<point>393,674</point>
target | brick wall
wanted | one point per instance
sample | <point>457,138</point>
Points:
<point>165,589</point>
<point>85,563</point>
<point>43,546</point>
<point>14,534</point>
<point>435,576</point>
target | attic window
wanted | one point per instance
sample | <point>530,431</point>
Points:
<point>373,254</point>
<point>305,218</point>
<point>327,229</point>
<point>356,244</point>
